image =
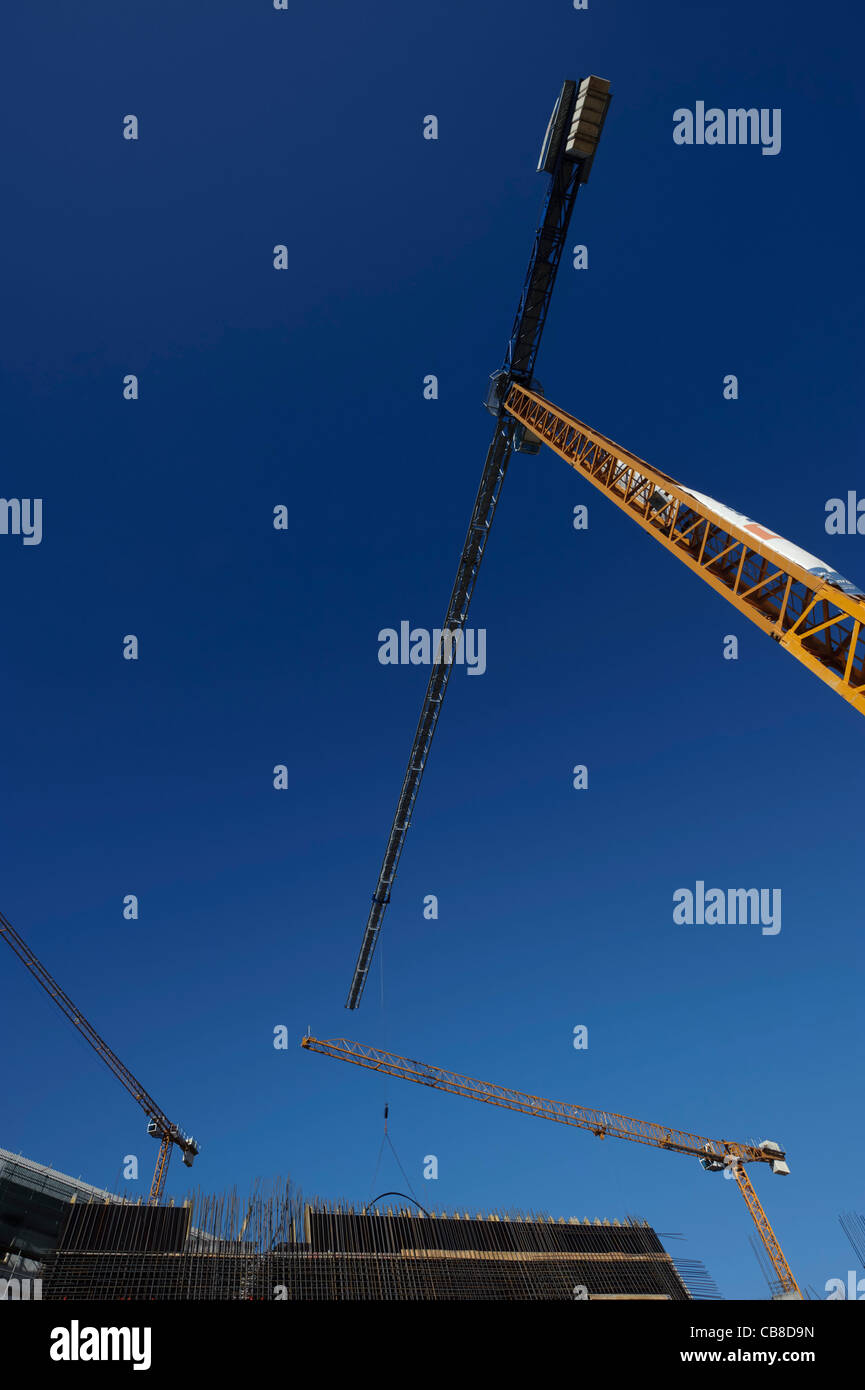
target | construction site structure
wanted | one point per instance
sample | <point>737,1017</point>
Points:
<point>278,1246</point>
<point>715,1155</point>
<point>159,1126</point>
<point>567,154</point>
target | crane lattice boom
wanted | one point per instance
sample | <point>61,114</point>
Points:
<point>714,1154</point>
<point>160,1126</point>
<point>567,157</point>
<point>812,611</point>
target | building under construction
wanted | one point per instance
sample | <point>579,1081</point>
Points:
<point>34,1205</point>
<point>274,1245</point>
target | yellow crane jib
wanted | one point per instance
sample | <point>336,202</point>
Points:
<point>715,1155</point>
<point>810,609</point>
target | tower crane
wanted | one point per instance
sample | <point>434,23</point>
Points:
<point>715,1155</point>
<point>566,156</point>
<point>805,605</point>
<point>159,1126</point>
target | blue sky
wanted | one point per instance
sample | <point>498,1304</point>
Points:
<point>258,647</point>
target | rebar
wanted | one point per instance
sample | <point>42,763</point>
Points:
<point>274,1245</point>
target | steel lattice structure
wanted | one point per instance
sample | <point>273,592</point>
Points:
<point>276,1246</point>
<point>809,614</point>
<point>714,1154</point>
<point>470,560</point>
<point>567,157</point>
<point>160,1127</point>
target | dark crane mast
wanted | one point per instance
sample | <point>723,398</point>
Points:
<point>567,154</point>
<point>159,1126</point>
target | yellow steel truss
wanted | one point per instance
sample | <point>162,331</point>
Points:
<point>157,1187</point>
<point>602,1123</point>
<point>767,1235</point>
<point>815,621</point>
